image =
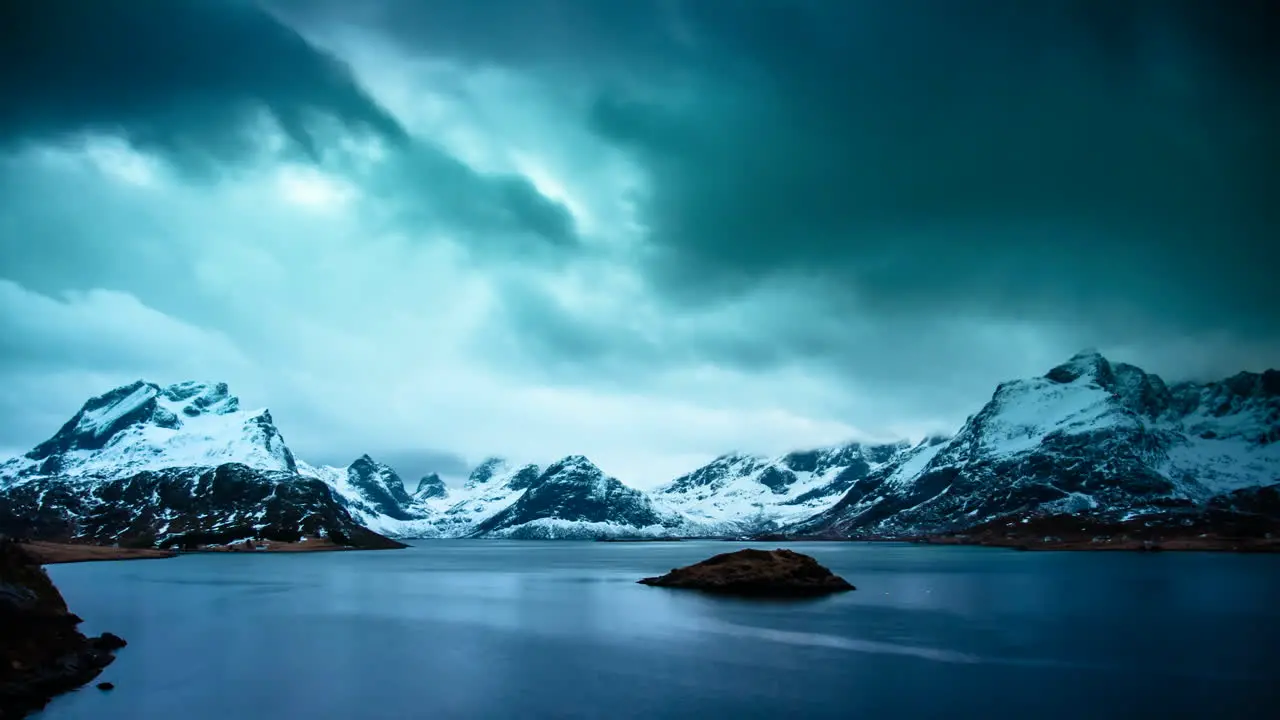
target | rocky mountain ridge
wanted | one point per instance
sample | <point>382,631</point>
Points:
<point>1090,438</point>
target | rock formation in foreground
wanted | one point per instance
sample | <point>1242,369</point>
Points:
<point>755,573</point>
<point>42,654</point>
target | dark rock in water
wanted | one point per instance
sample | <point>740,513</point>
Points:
<point>106,686</point>
<point>755,573</point>
<point>110,641</point>
<point>42,654</point>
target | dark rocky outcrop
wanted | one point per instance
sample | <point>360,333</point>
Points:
<point>42,653</point>
<point>755,573</point>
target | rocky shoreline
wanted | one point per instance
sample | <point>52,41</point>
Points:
<point>48,553</point>
<point>1194,533</point>
<point>306,544</point>
<point>43,653</point>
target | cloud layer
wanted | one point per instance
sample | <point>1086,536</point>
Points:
<point>650,231</point>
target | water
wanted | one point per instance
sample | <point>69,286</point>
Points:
<point>491,629</point>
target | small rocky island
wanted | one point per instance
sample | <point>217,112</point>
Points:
<point>42,653</point>
<point>755,573</point>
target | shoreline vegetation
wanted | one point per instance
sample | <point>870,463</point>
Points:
<point>1049,544</point>
<point>48,553</point>
<point>1069,532</point>
<point>51,553</point>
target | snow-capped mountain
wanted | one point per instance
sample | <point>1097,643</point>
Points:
<point>372,492</point>
<point>492,487</point>
<point>142,426</point>
<point>430,487</point>
<point>375,496</point>
<point>573,499</point>
<point>737,493</point>
<point>172,466</point>
<point>1090,438</point>
<point>184,465</point>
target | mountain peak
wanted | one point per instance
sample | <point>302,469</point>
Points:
<point>571,469</point>
<point>578,463</point>
<point>365,461</point>
<point>486,470</point>
<point>142,425</point>
<point>380,485</point>
<point>202,398</point>
<point>430,486</point>
<point>1088,364</point>
<point>102,416</point>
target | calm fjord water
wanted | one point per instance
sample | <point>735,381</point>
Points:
<point>494,629</point>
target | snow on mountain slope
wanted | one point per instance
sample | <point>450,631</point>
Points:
<point>142,426</point>
<point>738,493</point>
<point>493,486</point>
<point>372,492</point>
<point>1088,438</point>
<point>146,463</point>
<point>176,465</point>
<point>575,499</point>
<point>434,510</point>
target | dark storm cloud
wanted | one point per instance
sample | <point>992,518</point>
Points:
<point>518,33</point>
<point>1107,165</point>
<point>185,77</point>
<point>181,76</point>
<point>426,185</point>
<point>977,156</point>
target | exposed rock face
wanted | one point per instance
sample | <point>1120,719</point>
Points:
<point>755,573</point>
<point>381,486</point>
<point>42,654</point>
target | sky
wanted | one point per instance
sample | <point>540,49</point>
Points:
<point>649,232</point>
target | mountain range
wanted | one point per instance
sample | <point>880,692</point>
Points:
<point>1101,443</point>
